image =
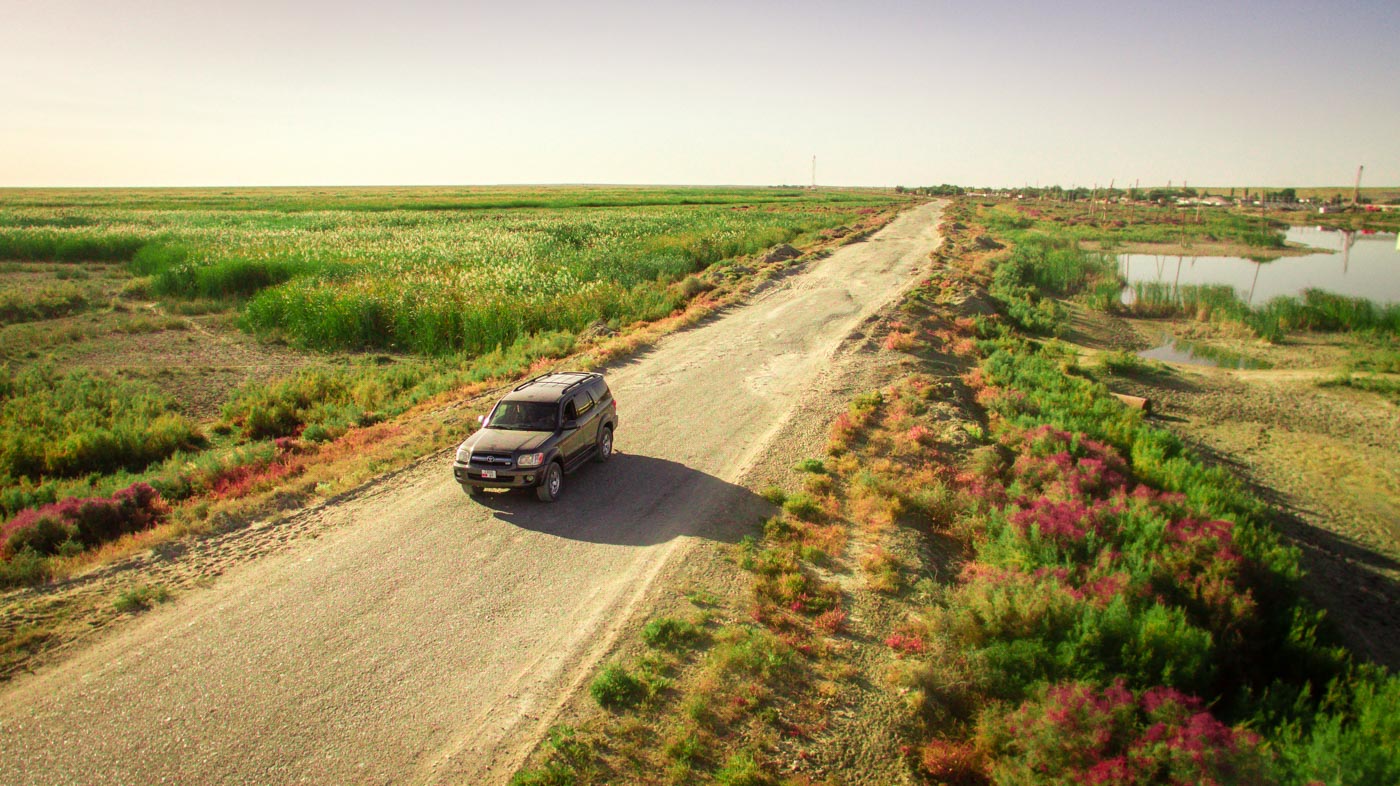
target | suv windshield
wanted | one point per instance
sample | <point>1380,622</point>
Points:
<point>524,416</point>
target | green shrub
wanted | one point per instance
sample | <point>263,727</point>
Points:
<point>615,688</point>
<point>141,598</point>
<point>24,568</point>
<point>1349,740</point>
<point>78,423</point>
<point>55,300</point>
<point>741,769</point>
<point>749,651</point>
<point>671,634</point>
<point>774,494</point>
<point>802,506</point>
<point>1123,363</point>
<point>568,759</point>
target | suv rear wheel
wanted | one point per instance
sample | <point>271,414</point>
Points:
<point>551,484</point>
<point>605,445</point>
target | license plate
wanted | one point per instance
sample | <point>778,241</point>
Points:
<point>488,474</point>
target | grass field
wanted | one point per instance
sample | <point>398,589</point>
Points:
<point>169,336</point>
<point>429,272</point>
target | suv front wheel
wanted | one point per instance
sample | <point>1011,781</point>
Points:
<point>551,484</point>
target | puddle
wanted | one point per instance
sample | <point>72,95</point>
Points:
<point>1353,263</point>
<point>1173,350</point>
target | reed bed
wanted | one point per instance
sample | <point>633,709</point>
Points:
<point>431,271</point>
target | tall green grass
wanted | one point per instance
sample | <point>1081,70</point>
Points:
<point>177,271</point>
<point>54,300</point>
<point>77,423</point>
<point>430,271</point>
<point>1039,267</point>
<point>1314,310</point>
<point>1135,224</point>
<point>70,245</point>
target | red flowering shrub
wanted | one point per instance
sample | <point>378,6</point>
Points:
<point>901,341</point>
<point>1071,505</point>
<point>953,763</point>
<point>1076,733</point>
<point>84,522</point>
<point>1056,464</point>
<point>238,481</point>
<point>906,644</point>
<point>833,621</point>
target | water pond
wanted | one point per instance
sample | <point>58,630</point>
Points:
<point>1174,350</point>
<point>1348,263</point>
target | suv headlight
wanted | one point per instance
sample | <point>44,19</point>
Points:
<point>530,460</point>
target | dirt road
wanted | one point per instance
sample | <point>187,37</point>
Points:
<point>428,638</point>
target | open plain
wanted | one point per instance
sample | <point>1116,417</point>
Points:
<point>421,632</point>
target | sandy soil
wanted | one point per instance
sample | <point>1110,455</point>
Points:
<point>1327,458</point>
<point>409,634</point>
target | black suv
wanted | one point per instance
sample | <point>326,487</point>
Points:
<point>541,430</point>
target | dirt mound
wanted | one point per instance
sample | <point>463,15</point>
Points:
<point>781,253</point>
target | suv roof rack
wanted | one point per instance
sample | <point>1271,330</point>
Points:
<point>583,376</point>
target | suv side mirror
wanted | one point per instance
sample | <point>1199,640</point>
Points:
<point>481,420</point>
<point>568,424</point>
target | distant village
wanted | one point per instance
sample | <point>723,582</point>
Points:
<point>1276,199</point>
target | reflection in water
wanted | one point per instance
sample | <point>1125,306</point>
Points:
<point>1358,264</point>
<point>1173,350</point>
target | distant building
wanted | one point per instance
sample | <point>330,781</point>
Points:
<point>1205,201</point>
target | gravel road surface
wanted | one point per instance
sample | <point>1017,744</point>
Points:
<point>429,637</point>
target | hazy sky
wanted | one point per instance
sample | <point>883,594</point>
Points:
<point>180,92</point>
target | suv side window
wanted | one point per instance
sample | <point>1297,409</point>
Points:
<point>582,404</point>
<point>601,392</point>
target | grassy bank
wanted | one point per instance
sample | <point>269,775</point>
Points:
<point>1112,575</point>
<point>1053,587</point>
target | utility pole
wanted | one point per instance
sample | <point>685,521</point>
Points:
<point>814,172</point>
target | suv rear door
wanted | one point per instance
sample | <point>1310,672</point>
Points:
<point>585,412</point>
<point>582,412</point>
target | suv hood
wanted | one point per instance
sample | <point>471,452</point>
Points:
<point>503,441</point>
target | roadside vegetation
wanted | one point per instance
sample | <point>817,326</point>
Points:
<point>221,357</point>
<point>1052,587</point>
<point>1051,258</point>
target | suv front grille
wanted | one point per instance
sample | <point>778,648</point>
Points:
<point>493,459</point>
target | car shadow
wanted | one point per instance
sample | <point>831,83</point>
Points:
<point>634,500</point>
